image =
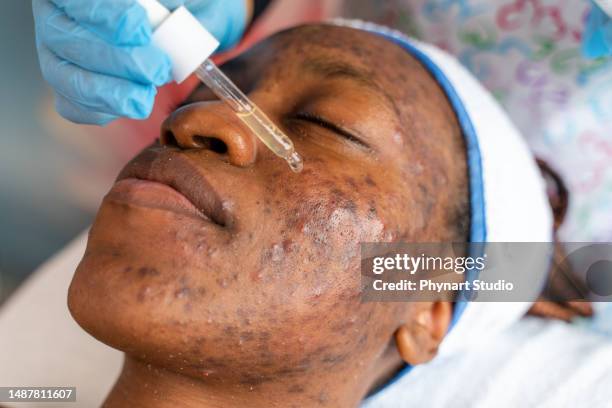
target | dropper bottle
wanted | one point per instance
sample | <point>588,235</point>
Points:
<point>189,46</point>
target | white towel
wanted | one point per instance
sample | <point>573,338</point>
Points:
<point>534,363</point>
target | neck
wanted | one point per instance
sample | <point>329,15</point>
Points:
<point>142,385</point>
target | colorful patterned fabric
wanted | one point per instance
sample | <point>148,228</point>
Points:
<point>527,53</point>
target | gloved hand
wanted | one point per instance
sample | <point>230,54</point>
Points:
<point>98,57</point>
<point>597,36</point>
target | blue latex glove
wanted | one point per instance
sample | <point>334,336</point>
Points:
<point>597,36</point>
<point>98,57</point>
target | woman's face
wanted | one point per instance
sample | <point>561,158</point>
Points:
<point>210,257</point>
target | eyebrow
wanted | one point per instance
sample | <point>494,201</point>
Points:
<point>331,69</point>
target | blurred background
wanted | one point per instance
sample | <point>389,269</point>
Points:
<point>38,215</point>
<point>53,173</point>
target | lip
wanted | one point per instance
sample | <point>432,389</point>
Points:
<point>151,194</point>
<point>167,166</point>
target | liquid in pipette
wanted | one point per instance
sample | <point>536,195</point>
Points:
<point>264,129</point>
<point>250,114</point>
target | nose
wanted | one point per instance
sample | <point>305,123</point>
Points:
<point>212,126</point>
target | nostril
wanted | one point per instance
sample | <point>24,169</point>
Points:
<point>168,139</point>
<point>211,143</point>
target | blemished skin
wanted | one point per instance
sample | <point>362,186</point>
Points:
<point>243,290</point>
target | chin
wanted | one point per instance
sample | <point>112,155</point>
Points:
<point>129,280</point>
<point>140,312</point>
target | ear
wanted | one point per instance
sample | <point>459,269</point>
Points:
<point>558,195</point>
<point>418,339</point>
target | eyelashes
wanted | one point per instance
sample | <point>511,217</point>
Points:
<point>303,116</point>
<point>325,124</point>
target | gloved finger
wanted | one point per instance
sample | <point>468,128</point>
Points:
<point>120,22</point>
<point>597,36</point>
<point>74,43</point>
<point>97,92</point>
<point>79,114</point>
<point>226,20</point>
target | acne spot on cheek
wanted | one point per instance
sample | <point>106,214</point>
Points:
<point>256,275</point>
<point>351,206</point>
<point>296,389</point>
<point>344,325</point>
<point>334,359</point>
<point>414,169</point>
<point>323,398</point>
<point>398,139</point>
<point>229,331</point>
<point>209,365</point>
<point>372,211</point>
<point>147,293</point>
<point>278,253</point>
<point>222,282</point>
<point>350,181</point>
<point>146,271</point>
<point>182,292</point>
<point>246,336</point>
<point>142,294</point>
<point>264,337</point>
<point>307,172</point>
<point>289,246</point>
<point>358,51</point>
<point>244,316</point>
<point>298,369</point>
<point>368,180</point>
<point>252,380</point>
<point>266,359</point>
<point>342,200</point>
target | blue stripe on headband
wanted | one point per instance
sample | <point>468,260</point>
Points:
<point>478,229</point>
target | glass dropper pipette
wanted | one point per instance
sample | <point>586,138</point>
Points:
<point>250,114</point>
<point>189,45</point>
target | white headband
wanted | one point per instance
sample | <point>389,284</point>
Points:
<point>508,201</point>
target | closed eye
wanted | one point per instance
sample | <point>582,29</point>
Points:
<point>319,121</point>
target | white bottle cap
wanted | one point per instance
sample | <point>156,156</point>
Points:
<point>156,12</point>
<point>606,6</point>
<point>181,36</point>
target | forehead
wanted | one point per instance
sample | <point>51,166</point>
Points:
<point>296,51</point>
<point>340,39</point>
<point>372,53</point>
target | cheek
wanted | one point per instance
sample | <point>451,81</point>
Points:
<point>320,224</point>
